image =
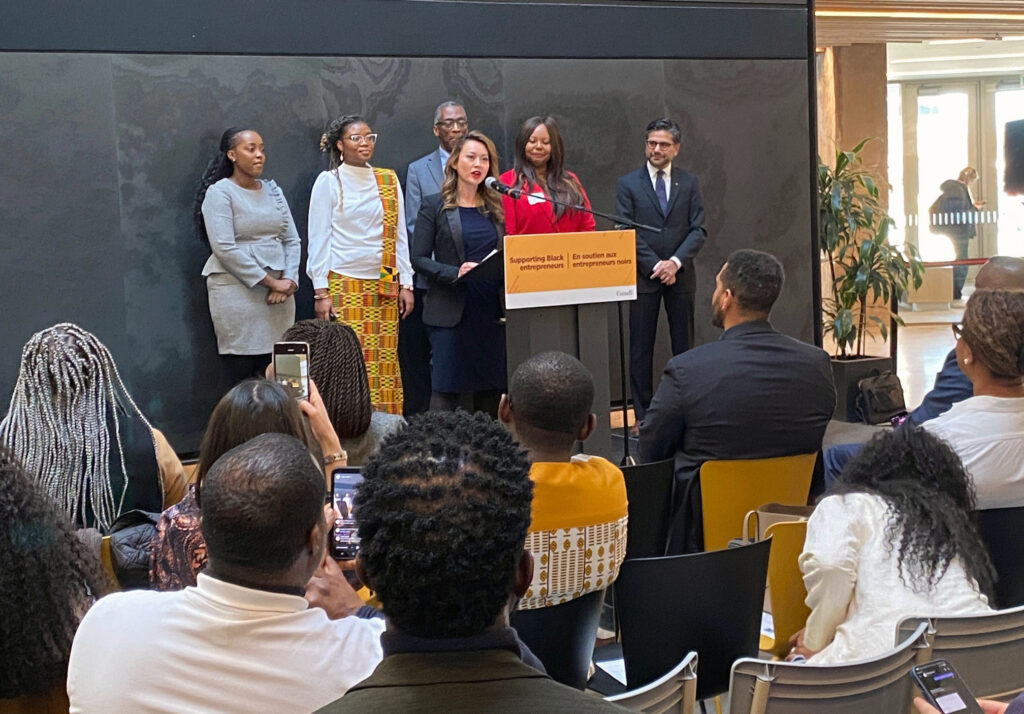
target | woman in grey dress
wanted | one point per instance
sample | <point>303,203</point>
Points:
<point>254,267</point>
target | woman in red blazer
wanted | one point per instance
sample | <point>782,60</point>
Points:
<point>538,170</point>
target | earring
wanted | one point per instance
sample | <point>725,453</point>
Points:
<point>967,360</point>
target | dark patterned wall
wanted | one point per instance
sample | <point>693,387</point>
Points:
<point>103,152</point>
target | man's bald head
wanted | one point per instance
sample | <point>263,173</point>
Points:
<point>1001,272</point>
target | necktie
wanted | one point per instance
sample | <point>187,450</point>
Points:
<point>660,192</point>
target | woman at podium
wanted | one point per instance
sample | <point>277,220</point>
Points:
<point>455,231</point>
<point>539,174</point>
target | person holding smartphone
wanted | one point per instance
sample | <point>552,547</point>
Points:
<point>253,270</point>
<point>988,706</point>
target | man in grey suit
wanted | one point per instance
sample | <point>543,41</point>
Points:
<point>424,178</point>
<point>662,195</point>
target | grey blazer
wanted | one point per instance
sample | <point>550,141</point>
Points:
<point>423,178</point>
<point>437,253</point>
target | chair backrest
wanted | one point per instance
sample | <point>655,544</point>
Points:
<point>1001,529</point>
<point>707,602</point>
<point>675,692</point>
<point>880,684</point>
<point>728,489</point>
<point>986,650</point>
<point>649,490</point>
<point>786,582</point>
<point>562,636</point>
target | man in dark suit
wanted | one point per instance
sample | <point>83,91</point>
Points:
<point>753,393</point>
<point>668,197</point>
<point>424,178</point>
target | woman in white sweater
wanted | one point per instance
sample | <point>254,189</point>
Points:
<point>895,537</point>
<point>359,253</point>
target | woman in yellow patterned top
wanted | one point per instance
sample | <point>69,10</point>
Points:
<point>359,253</point>
<point>578,518</point>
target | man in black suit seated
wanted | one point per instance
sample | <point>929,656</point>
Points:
<point>662,195</point>
<point>754,393</point>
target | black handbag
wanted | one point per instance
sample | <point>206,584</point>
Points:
<point>880,398</point>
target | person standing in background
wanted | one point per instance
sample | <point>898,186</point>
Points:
<point>954,215</point>
<point>658,194</point>
<point>538,172</point>
<point>254,267</point>
<point>424,178</point>
<point>359,253</point>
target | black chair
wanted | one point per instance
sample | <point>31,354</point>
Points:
<point>649,490</point>
<point>1002,529</point>
<point>562,636</point>
<point>705,602</point>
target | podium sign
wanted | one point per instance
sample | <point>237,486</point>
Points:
<point>548,269</point>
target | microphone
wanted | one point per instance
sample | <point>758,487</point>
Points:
<point>496,185</point>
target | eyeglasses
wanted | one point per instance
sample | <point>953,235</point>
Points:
<point>663,145</point>
<point>958,330</point>
<point>360,138</point>
<point>453,123</point>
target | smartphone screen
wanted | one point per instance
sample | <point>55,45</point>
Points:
<point>291,367</point>
<point>944,688</point>
<point>344,535</point>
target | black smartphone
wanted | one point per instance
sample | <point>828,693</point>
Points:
<point>344,535</point>
<point>291,367</point>
<point>944,689</point>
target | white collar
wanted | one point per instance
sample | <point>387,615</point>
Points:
<point>654,172</point>
<point>243,598</point>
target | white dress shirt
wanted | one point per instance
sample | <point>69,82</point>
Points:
<point>668,192</point>
<point>854,589</point>
<point>987,433</point>
<point>349,241</point>
<point>216,647</point>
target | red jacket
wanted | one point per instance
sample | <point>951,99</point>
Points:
<point>523,218</point>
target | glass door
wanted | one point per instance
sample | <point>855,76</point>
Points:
<point>1008,211</point>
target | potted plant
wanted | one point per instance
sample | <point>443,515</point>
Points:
<point>866,274</point>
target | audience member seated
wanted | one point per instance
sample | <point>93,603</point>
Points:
<point>443,513</point>
<point>951,385</point>
<point>895,538</point>
<point>577,532</point>
<point>753,393</point>
<point>336,365</point>
<point>244,639</point>
<point>251,408</point>
<point>48,579</point>
<point>987,430</point>
<point>79,434</point>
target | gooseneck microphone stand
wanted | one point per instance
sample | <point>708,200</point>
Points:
<point>620,222</point>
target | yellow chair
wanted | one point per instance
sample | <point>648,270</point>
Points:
<point>786,585</point>
<point>729,489</point>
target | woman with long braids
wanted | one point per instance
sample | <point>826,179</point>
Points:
<point>538,171</point>
<point>359,253</point>
<point>254,267</point>
<point>48,579</point>
<point>80,435</point>
<point>895,537</point>
<point>336,365</point>
<point>987,430</point>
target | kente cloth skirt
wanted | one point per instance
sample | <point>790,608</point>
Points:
<point>374,318</point>
<point>245,324</point>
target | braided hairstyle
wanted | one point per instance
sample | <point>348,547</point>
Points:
<point>443,512</point>
<point>48,579</point>
<point>64,419</point>
<point>993,327</point>
<point>931,506</point>
<point>335,131</point>
<point>336,365</point>
<point>220,167</point>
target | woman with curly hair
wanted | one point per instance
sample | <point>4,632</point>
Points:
<point>359,252</point>
<point>48,579</point>
<point>895,537</point>
<point>336,365</point>
<point>80,435</point>
<point>251,408</point>
<point>987,430</point>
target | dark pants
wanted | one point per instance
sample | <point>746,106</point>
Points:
<point>242,367</point>
<point>962,247</point>
<point>836,458</point>
<point>485,401</point>
<point>414,359</point>
<point>643,329</point>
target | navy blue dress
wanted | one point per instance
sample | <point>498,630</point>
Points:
<point>470,357</point>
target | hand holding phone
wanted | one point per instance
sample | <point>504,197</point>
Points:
<point>345,533</point>
<point>943,688</point>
